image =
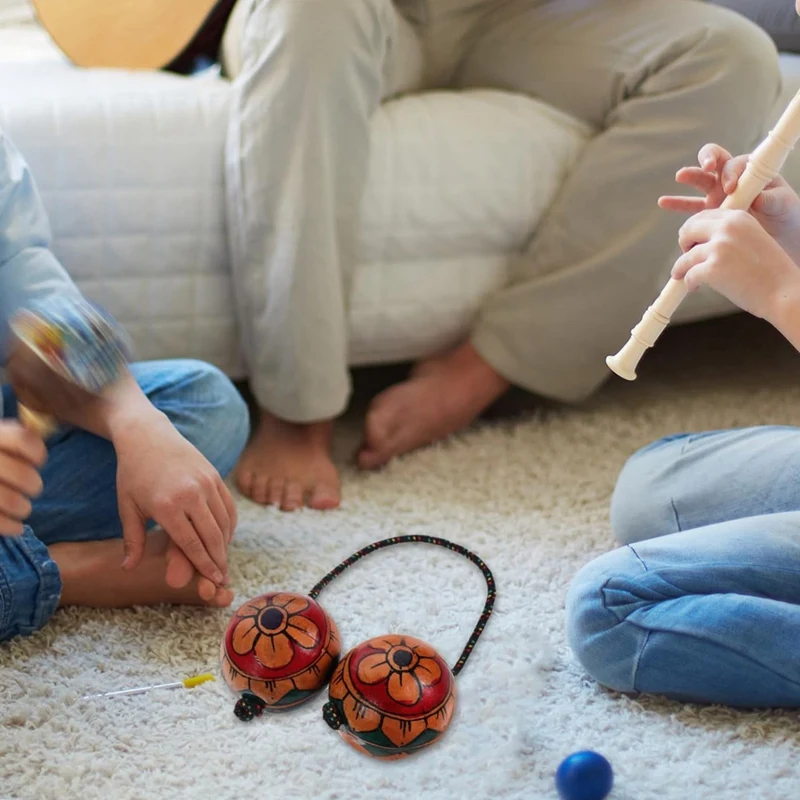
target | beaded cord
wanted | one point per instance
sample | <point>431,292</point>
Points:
<point>435,540</point>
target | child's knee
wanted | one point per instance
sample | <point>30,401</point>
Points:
<point>605,645</point>
<point>215,417</point>
<point>641,505</point>
<point>230,419</point>
<point>30,585</point>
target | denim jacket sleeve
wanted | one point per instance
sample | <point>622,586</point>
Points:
<point>28,268</point>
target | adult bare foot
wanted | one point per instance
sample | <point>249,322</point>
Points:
<point>289,465</point>
<point>443,395</point>
<point>92,575</point>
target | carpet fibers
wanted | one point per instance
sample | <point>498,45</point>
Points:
<point>530,495</point>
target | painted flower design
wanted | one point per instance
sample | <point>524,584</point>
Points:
<point>415,679</point>
<point>408,669</point>
<point>272,628</point>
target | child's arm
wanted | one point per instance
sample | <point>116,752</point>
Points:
<point>161,476</point>
<point>28,268</point>
<point>786,314</point>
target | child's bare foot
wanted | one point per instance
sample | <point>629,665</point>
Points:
<point>443,395</point>
<point>289,465</point>
<point>91,575</point>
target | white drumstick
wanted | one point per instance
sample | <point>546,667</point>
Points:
<point>764,164</point>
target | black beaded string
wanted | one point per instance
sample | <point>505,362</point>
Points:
<point>456,548</point>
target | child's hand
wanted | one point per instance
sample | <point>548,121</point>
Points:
<point>730,252</point>
<point>22,454</point>
<point>777,208</point>
<point>163,477</point>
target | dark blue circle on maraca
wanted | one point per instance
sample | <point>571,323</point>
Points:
<point>585,775</point>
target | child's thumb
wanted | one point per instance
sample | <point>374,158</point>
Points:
<point>771,203</point>
<point>731,173</point>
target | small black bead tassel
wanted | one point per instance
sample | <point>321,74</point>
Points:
<point>248,707</point>
<point>332,716</point>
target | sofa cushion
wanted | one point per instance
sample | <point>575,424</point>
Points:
<point>131,168</point>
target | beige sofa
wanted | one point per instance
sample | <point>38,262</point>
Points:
<point>131,170</point>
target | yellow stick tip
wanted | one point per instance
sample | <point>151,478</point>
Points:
<point>190,683</point>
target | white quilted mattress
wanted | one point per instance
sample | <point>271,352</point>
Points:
<point>131,170</point>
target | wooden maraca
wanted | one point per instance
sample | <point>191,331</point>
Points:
<point>388,697</point>
<point>76,340</point>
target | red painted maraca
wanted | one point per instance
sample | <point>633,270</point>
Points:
<point>388,697</point>
<point>279,650</point>
<point>391,696</point>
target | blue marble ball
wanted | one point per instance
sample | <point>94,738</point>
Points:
<point>585,775</point>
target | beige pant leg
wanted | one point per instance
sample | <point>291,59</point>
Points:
<point>658,80</point>
<point>308,76</point>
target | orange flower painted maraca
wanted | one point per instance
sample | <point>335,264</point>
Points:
<point>279,649</point>
<point>391,696</point>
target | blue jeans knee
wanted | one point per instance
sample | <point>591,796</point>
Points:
<point>641,505</point>
<point>205,406</point>
<point>30,585</point>
<point>606,646</point>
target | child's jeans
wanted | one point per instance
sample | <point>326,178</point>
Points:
<point>79,501</point>
<point>703,602</point>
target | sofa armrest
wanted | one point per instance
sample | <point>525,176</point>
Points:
<point>777,17</point>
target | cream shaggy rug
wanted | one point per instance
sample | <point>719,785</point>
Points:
<point>530,495</point>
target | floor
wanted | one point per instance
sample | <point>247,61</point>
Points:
<point>529,493</point>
